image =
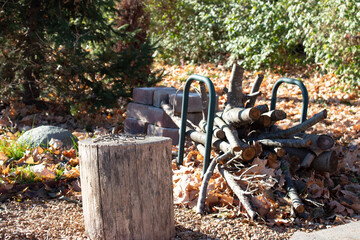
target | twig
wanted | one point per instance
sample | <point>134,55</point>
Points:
<point>206,179</point>
<point>241,194</point>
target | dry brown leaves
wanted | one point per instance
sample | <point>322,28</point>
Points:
<point>326,196</point>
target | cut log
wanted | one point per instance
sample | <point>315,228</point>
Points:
<point>290,188</point>
<point>240,116</point>
<point>320,142</point>
<point>280,152</point>
<point>263,108</point>
<point>296,129</point>
<point>229,133</point>
<point>325,162</point>
<point>241,194</point>
<point>255,88</point>
<point>293,143</point>
<point>276,115</point>
<point>263,122</point>
<point>236,97</point>
<point>127,188</point>
<point>309,158</point>
<point>217,132</point>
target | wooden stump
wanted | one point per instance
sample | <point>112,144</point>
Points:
<point>127,188</point>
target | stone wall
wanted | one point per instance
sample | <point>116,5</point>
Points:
<point>145,115</point>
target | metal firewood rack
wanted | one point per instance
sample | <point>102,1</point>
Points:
<point>211,111</point>
<point>300,84</point>
<point>210,118</point>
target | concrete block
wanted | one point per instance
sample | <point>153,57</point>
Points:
<point>150,114</point>
<point>162,95</point>
<point>194,104</point>
<point>145,95</point>
<point>194,117</point>
<point>172,133</point>
<point>135,126</point>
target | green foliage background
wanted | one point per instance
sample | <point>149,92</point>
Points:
<point>92,52</point>
<point>261,34</point>
<point>71,51</point>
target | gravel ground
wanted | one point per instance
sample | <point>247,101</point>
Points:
<point>59,219</point>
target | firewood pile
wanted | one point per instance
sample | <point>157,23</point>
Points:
<point>246,137</point>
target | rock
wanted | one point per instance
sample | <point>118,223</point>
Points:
<point>43,134</point>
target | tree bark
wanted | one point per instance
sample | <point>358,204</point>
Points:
<point>254,89</point>
<point>229,133</point>
<point>240,116</point>
<point>309,158</point>
<point>236,97</point>
<point>293,143</point>
<point>320,142</point>
<point>276,115</point>
<point>263,108</point>
<point>217,132</point>
<point>290,188</point>
<point>296,129</point>
<point>206,179</point>
<point>204,99</point>
<point>325,162</point>
<point>127,188</point>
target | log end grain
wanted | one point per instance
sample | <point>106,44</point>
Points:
<point>254,113</point>
<point>248,154</point>
<point>325,142</point>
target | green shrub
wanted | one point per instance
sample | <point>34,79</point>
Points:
<point>69,51</point>
<point>261,33</point>
<point>189,30</point>
<point>330,32</point>
<point>256,31</point>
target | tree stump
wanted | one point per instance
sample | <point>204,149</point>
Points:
<point>127,187</point>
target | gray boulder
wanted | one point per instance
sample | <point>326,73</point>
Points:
<point>41,136</point>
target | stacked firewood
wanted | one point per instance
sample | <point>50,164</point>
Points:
<point>244,131</point>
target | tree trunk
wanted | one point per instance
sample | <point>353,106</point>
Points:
<point>127,188</point>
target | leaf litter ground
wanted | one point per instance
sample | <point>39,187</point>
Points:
<point>330,199</point>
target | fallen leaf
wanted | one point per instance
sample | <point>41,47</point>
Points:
<point>336,206</point>
<point>3,157</point>
<point>74,162</point>
<point>30,160</point>
<point>70,154</point>
<point>5,171</point>
<point>40,150</point>
<point>73,173</point>
<point>47,174</point>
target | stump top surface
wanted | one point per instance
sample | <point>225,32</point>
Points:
<point>124,139</point>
